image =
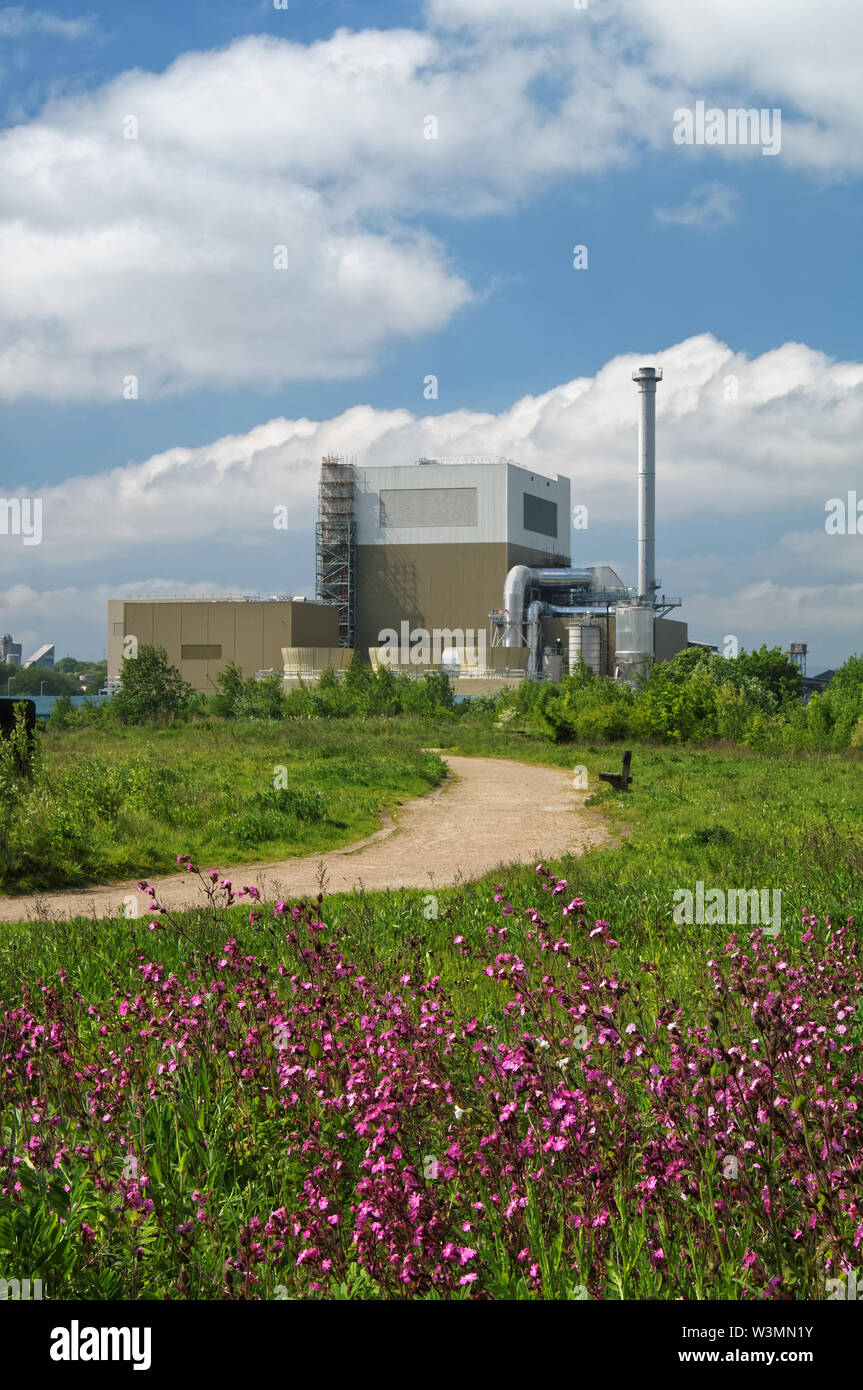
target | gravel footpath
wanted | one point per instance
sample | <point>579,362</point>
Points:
<point>488,812</point>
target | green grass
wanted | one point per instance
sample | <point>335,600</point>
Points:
<point>729,819</point>
<point>125,802</point>
<point>726,818</point>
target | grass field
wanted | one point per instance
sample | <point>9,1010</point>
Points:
<point>125,803</point>
<point>491,1097</point>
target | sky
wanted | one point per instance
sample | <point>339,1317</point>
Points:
<point>236,236</point>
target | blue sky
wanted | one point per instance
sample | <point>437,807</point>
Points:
<point>452,257</point>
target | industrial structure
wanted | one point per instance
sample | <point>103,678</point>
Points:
<point>453,546</point>
<point>613,629</point>
<point>464,564</point>
<point>335,542</point>
<point>42,657</point>
<point>434,540</point>
<point>10,652</point>
<point>201,635</point>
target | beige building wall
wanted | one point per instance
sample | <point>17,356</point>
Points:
<point>434,586</point>
<point>201,636</point>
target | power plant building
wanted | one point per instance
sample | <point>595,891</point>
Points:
<point>201,635</point>
<point>434,541</point>
<point>474,553</point>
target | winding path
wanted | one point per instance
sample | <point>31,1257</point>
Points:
<point>489,812</point>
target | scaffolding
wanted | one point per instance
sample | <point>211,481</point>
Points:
<point>336,541</point>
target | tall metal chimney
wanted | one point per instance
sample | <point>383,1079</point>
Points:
<point>646,379</point>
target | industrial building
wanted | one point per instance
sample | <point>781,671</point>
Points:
<point>460,547</point>
<point>10,652</point>
<point>201,635</point>
<point>43,657</point>
<point>464,564</point>
<point>434,540</point>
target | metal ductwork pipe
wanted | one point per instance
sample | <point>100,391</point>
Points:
<point>646,379</point>
<point>561,578</point>
<point>520,579</point>
<point>534,634</point>
<point>514,591</point>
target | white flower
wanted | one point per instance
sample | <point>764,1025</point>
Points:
<point>458,1112</point>
<point>541,1042</point>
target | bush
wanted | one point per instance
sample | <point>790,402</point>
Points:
<point>21,770</point>
<point>230,692</point>
<point>240,698</point>
<point>150,688</point>
<point>276,814</point>
<point>304,803</point>
<point>61,715</point>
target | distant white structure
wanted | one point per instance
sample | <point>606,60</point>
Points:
<point>44,657</point>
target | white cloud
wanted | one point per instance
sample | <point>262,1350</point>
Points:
<point>748,453</point>
<point>153,256</point>
<point>710,205</point>
<point>538,17</point>
<point>737,438</point>
<point>777,53</point>
<point>16,22</point>
<point>779,613</point>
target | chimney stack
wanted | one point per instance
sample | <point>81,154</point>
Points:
<point>646,379</point>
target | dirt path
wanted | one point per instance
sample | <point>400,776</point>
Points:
<point>488,812</point>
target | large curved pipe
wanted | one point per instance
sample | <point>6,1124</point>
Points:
<point>514,591</point>
<point>523,577</point>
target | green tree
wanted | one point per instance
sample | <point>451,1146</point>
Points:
<point>71,667</point>
<point>230,682</point>
<point>20,769</point>
<point>262,699</point>
<point>359,686</point>
<point>62,713</point>
<point>776,672</point>
<point>43,680</point>
<point>330,697</point>
<point>247,698</point>
<point>832,714</point>
<point>151,688</point>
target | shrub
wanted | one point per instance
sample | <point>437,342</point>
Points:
<point>239,698</point>
<point>150,688</point>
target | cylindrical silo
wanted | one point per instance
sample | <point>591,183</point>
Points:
<point>634,640</point>
<point>585,642</point>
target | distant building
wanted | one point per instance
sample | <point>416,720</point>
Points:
<point>435,541</point>
<point>43,657</point>
<point>10,652</point>
<point>201,635</point>
<point>813,685</point>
